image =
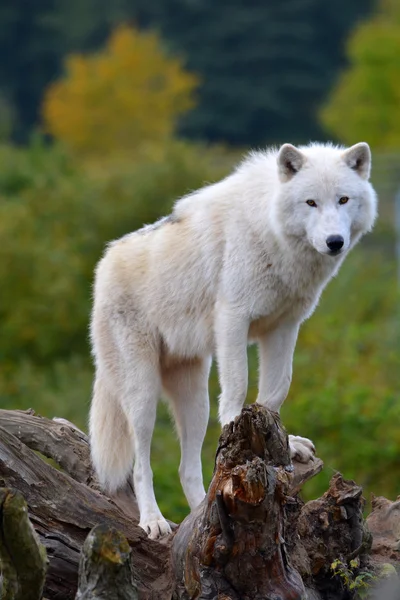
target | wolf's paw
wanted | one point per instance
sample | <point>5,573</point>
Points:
<point>301,449</point>
<point>155,528</point>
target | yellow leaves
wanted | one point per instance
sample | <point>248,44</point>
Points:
<point>365,104</point>
<point>129,94</point>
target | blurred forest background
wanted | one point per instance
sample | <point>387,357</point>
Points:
<point>109,111</point>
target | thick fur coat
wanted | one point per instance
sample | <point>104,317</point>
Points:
<point>243,260</point>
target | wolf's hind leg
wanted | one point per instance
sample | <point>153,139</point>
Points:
<point>187,388</point>
<point>141,391</point>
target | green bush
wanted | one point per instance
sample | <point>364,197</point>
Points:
<point>56,216</point>
<point>55,219</point>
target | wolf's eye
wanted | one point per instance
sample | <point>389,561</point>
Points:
<point>343,200</point>
<point>311,203</point>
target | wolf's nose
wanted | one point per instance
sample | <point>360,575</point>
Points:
<point>334,242</point>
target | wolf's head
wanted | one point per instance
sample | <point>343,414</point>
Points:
<point>325,198</point>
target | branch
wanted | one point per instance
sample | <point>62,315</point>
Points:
<point>61,441</point>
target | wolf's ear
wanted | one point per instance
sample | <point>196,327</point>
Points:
<point>358,158</point>
<point>290,161</point>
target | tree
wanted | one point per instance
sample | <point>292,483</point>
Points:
<point>365,101</point>
<point>265,67</point>
<point>128,94</point>
<point>32,52</point>
<point>35,37</point>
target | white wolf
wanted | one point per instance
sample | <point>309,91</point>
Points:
<point>243,260</point>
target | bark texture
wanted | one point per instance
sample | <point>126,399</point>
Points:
<point>252,538</point>
<point>105,570</point>
<point>234,543</point>
<point>384,524</point>
<point>64,505</point>
<point>330,529</point>
<point>23,559</point>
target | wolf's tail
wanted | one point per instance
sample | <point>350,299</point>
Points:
<point>111,440</point>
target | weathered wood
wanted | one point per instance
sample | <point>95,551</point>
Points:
<point>57,439</point>
<point>23,559</point>
<point>63,511</point>
<point>68,446</point>
<point>330,529</point>
<point>252,538</point>
<point>302,472</point>
<point>105,570</point>
<point>233,545</point>
<point>384,524</point>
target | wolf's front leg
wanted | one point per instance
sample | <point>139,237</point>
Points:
<point>231,332</point>
<point>276,350</point>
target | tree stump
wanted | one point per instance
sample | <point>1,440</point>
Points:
<point>233,545</point>
<point>331,529</point>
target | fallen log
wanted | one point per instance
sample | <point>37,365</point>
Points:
<point>63,508</point>
<point>252,538</point>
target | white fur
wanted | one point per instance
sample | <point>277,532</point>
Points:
<point>242,260</point>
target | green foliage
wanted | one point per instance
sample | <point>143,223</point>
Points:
<point>365,102</point>
<point>356,581</point>
<point>62,388</point>
<point>56,214</point>
<point>35,37</point>
<point>55,217</point>
<point>7,119</point>
<point>347,374</point>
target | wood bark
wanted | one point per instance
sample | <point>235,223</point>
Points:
<point>105,570</point>
<point>65,505</point>
<point>23,559</point>
<point>384,524</point>
<point>234,543</point>
<point>329,529</point>
<point>252,538</point>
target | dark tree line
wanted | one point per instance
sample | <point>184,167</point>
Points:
<point>265,66</point>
